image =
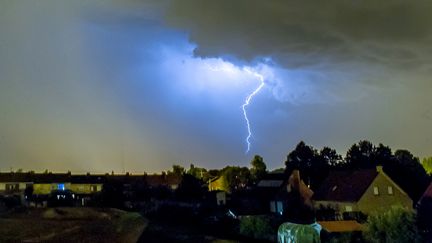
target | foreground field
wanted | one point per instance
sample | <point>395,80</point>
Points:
<point>71,225</point>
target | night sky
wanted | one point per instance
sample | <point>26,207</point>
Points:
<point>104,85</point>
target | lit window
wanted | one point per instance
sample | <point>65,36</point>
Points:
<point>390,190</point>
<point>348,208</point>
<point>93,188</point>
<point>61,187</point>
<point>376,190</point>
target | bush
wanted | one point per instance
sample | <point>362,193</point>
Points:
<point>257,227</point>
<point>395,225</point>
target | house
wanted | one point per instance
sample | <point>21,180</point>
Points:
<point>275,189</point>
<point>271,188</point>
<point>45,183</point>
<point>169,181</point>
<point>86,184</point>
<point>14,183</point>
<point>364,191</point>
<point>218,184</point>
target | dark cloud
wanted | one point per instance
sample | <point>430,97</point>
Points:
<point>306,33</point>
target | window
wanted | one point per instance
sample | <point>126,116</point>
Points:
<point>273,206</point>
<point>390,190</point>
<point>376,190</point>
<point>348,208</point>
<point>279,207</point>
<point>93,188</point>
<point>12,187</point>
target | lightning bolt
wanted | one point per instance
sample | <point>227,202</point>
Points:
<point>232,69</point>
<point>247,102</point>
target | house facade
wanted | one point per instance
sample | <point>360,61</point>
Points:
<point>14,183</point>
<point>364,191</point>
<point>45,183</point>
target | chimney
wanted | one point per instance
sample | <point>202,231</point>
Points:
<point>379,169</point>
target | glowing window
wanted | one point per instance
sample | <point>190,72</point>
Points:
<point>61,187</point>
<point>348,208</point>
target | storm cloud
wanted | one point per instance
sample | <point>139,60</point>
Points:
<point>113,85</point>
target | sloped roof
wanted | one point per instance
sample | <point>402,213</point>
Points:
<point>84,179</point>
<point>427,193</point>
<point>51,177</point>
<point>273,180</point>
<point>345,186</point>
<point>16,177</point>
<point>341,226</point>
<point>162,180</point>
<point>270,183</point>
<point>33,177</point>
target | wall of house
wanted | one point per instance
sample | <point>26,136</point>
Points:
<point>85,188</point>
<point>46,188</point>
<point>339,207</point>
<point>370,202</point>
<point>218,185</point>
<point>21,185</point>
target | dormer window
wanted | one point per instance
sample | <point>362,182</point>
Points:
<point>390,190</point>
<point>376,190</point>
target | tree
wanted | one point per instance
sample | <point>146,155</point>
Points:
<point>178,170</point>
<point>313,168</point>
<point>257,227</point>
<point>408,173</point>
<point>258,168</point>
<point>236,177</point>
<point>196,171</point>
<point>331,157</point>
<point>361,155</point>
<point>112,194</point>
<point>300,158</point>
<point>395,225</point>
<point>190,188</point>
<point>424,217</point>
<point>427,165</point>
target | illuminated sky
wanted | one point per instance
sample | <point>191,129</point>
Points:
<point>101,85</point>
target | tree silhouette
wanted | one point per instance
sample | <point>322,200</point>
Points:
<point>259,168</point>
<point>313,168</point>
<point>361,155</point>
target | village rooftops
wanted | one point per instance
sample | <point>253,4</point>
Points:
<point>31,177</point>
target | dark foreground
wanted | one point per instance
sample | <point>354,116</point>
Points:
<point>71,225</point>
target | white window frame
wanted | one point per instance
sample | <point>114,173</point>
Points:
<point>376,190</point>
<point>390,190</point>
